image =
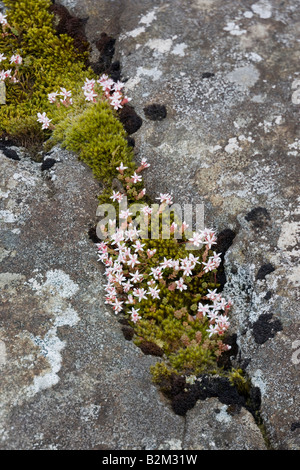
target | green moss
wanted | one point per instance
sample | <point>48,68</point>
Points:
<point>49,61</point>
<point>98,137</point>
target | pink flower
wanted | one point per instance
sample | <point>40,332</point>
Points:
<point>213,329</point>
<point>65,94</point>
<point>118,85</point>
<point>150,253</point>
<point>125,214</point>
<point>166,263</point>
<point>144,163</point>
<point>2,57</point>
<point>117,306</point>
<point>156,272</point>
<point>197,239</point>
<point>136,277</point>
<point>147,210</point>
<point>138,246</point>
<point>44,120</point>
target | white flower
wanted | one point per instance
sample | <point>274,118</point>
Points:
<point>154,291</point>
<point>180,284</point>
<point>117,196</point>
<point>121,168</point>
<point>140,293</point>
<point>3,19</point>
<point>136,277</point>
<point>133,260</point>
<point>52,96</point>
<point>136,178</point>
<point>197,239</point>
<point>165,198</point>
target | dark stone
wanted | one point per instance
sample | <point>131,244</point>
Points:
<point>130,119</point>
<point>264,270</point>
<point>151,349</point>
<point>295,426</point>
<point>259,216</point>
<point>93,235</point>
<point>264,329</point>
<point>48,163</point>
<point>9,153</point>
<point>208,387</point>
<point>155,112</point>
<point>207,75</point>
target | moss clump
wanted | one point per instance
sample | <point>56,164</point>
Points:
<point>97,136</point>
<point>49,62</point>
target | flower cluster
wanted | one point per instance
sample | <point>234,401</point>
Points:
<point>103,88</point>
<point>15,59</point>
<point>140,279</point>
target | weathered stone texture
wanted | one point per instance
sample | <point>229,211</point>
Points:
<point>228,76</point>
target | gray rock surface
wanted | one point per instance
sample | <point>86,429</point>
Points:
<point>228,75</point>
<point>69,379</point>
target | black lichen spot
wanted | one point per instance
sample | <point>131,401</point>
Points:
<point>106,47</point>
<point>130,119</point>
<point>92,233</point>
<point>259,216</point>
<point>264,329</point>
<point>264,270</point>
<point>155,112</point>
<point>224,241</point>
<point>152,349</point>
<point>207,387</point>
<point>227,356</point>
<point>268,295</point>
<point>295,426</point>
<point>9,153</point>
<point>207,75</point>
<point>48,163</point>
